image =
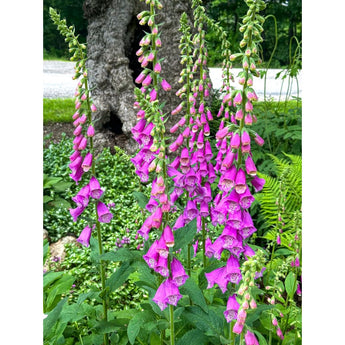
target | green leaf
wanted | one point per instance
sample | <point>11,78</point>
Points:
<point>61,286</point>
<point>257,313</point>
<point>120,276</point>
<point>49,277</point>
<point>291,284</point>
<point>185,235</point>
<point>136,322</point>
<point>191,289</point>
<point>49,181</point>
<point>62,186</point>
<point>103,327</point>
<point>122,254</point>
<point>262,340</point>
<point>193,337</point>
<point>47,198</point>
<point>141,198</point>
<point>51,319</point>
<point>283,251</point>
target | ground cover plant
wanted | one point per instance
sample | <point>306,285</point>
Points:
<point>169,251</point>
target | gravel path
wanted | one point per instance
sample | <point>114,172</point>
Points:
<point>58,82</point>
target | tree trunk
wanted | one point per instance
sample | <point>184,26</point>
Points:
<point>113,39</point>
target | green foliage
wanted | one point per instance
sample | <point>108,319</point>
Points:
<point>57,110</point>
<point>53,43</point>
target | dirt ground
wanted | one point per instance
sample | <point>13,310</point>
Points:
<point>103,138</point>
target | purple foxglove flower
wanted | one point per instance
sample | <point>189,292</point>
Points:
<point>172,292</point>
<point>239,114</point>
<point>257,183</point>
<point>76,212</point>
<point>168,236</point>
<point>147,81</point>
<point>246,199</point>
<point>191,178</point>
<point>232,307</point>
<point>195,247</point>
<point>140,78</point>
<point>247,227</point>
<point>152,256</point>
<point>104,215</point>
<point>216,277</point>
<point>259,140</point>
<point>280,333</point>
<point>75,115</point>
<point>238,98</point>
<point>237,246</point>
<point>233,199</point>
<point>78,105</point>
<point>246,148</point>
<point>200,141</point>
<point>279,240</point>
<point>238,327</point>
<point>82,197</point>
<point>180,222</point>
<point>217,248</point>
<point>233,272</point>
<point>250,166</point>
<point>162,266</point>
<point>76,164</point>
<point>227,180</point>
<point>248,251</point>
<point>152,205</point>
<point>222,133</point>
<point>146,227</point>
<point>228,236</point>
<point>191,211</point>
<point>240,182</point>
<point>95,188</point>
<point>208,151</point>
<point>87,162</point>
<point>299,291</point>
<point>249,106</point>
<point>157,218</point>
<point>153,95</point>
<point>178,273</point>
<point>157,68</point>
<point>82,144</point>
<point>74,156</point>
<point>184,160</point>
<point>204,212</point>
<point>90,131</point>
<point>165,85</point>
<point>259,274</point>
<point>160,296</point>
<point>84,237</point>
<point>248,120</point>
<point>245,138</point>
<point>93,108</point>
<point>250,339</point>
<point>83,119</point>
<point>235,141</point>
<point>77,174</point>
<point>78,130</point>
<point>224,146</point>
<point>228,160</point>
<point>209,115</point>
<point>208,249</point>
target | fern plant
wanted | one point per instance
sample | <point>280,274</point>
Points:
<point>281,199</point>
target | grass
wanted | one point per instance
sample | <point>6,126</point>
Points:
<point>58,110</point>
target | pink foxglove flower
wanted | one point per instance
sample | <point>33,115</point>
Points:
<point>84,237</point>
<point>76,212</point>
<point>165,85</point>
<point>258,183</point>
<point>95,188</point>
<point>87,162</point>
<point>93,108</point>
<point>90,131</point>
<point>178,273</point>
<point>250,339</point>
<point>104,215</point>
<point>168,236</point>
<point>232,307</point>
<point>82,197</point>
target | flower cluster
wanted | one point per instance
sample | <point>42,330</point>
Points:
<point>238,174</point>
<point>81,160</point>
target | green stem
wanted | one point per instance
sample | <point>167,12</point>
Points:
<point>172,332</point>
<point>203,242</point>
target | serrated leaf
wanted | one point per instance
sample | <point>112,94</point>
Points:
<point>291,284</point>
<point>119,277</point>
<point>49,277</point>
<point>61,186</point>
<point>184,236</point>
<point>261,338</point>
<point>191,289</point>
<point>193,337</point>
<point>51,319</point>
<point>141,198</point>
<point>136,322</point>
